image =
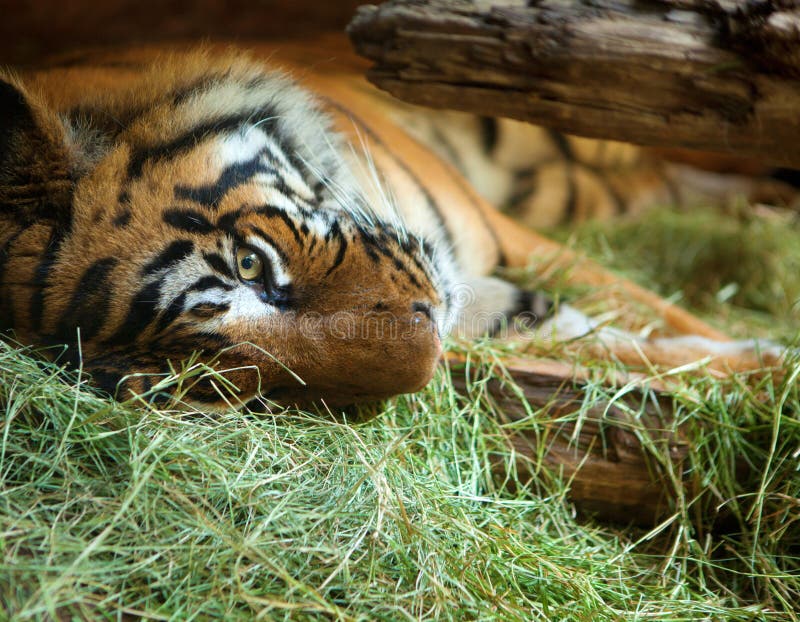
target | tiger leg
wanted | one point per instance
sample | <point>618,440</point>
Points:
<point>683,351</point>
<point>496,308</point>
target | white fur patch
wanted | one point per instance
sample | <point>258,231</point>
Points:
<point>568,323</point>
<point>482,303</point>
<point>245,304</point>
<point>279,270</point>
<point>723,348</point>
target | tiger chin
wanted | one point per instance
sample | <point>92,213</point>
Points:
<point>193,205</point>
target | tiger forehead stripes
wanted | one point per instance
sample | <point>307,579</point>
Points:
<point>216,214</point>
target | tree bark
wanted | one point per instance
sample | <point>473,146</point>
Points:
<point>716,75</point>
<point>623,461</point>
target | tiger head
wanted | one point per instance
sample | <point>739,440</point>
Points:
<point>209,215</point>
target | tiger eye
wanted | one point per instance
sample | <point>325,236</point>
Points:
<point>249,264</point>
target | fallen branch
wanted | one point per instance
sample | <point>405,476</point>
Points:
<point>718,75</point>
<point>620,460</point>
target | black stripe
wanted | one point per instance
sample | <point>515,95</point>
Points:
<point>188,220</point>
<point>209,309</point>
<point>218,264</point>
<point>105,380</point>
<point>452,152</point>
<point>529,310</point>
<point>6,300</point>
<point>525,185</point>
<point>404,269</point>
<point>208,282</point>
<point>413,254</point>
<point>368,243</point>
<point>271,241</point>
<point>175,308</point>
<point>88,308</point>
<point>197,87</point>
<point>540,305</point>
<point>335,231</point>
<point>562,144</point>
<point>276,166</point>
<point>337,261</point>
<point>227,222</point>
<point>275,212</point>
<point>41,276</point>
<point>191,138</point>
<point>489,134</point>
<point>564,147</point>
<point>141,313</point>
<point>231,177</point>
<point>620,206</point>
<point>171,313</point>
<point>175,252</point>
<point>381,242</point>
<point>572,195</point>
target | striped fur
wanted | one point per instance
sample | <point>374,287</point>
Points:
<point>129,183</point>
<point>544,178</point>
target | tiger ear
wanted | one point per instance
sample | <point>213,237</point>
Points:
<point>35,161</point>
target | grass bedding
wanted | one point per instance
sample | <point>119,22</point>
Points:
<point>118,511</point>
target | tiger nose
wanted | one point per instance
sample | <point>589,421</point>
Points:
<point>426,330</point>
<point>417,351</point>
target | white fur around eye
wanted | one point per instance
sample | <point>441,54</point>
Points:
<point>279,272</point>
<point>245,304</point>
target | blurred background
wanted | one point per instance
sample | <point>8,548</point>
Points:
<point>30,31</point>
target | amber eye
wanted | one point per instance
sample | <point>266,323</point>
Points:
<point>249,264</point>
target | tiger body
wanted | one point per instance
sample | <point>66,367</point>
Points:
<point>140,191</point>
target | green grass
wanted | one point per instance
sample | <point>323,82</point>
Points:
<point>110,509</point>
<point>740,270</point>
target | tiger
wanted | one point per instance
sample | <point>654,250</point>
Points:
<point>267,216</point>
<point>547,179</point>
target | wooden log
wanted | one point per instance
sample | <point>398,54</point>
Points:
<point>716,75</point>
<point>619,459</point>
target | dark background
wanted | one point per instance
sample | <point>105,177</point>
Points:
<point>32,30</point>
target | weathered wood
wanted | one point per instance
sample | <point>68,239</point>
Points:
<point>718,75</point>
<point>618,459</point>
